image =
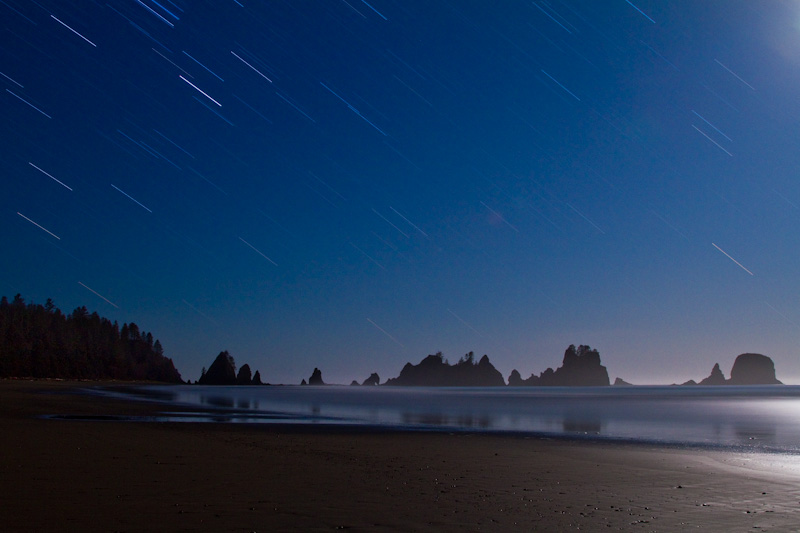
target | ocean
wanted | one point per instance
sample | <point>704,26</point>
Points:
<point>757,418</point>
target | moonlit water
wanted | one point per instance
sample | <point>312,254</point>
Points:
<point>761,418</point>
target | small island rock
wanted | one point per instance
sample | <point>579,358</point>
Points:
<point>748,369</point>
<point>316,377</point>
<point>580,368</point>
<point>434,371</point>
<point>753,369</point>
<point>715,378</point>
<point>244,376</point>
<point>221,372</point>
<point>373,379</point>
<point>515,379</point>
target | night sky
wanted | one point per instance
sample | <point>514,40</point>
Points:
<point>354,185</point>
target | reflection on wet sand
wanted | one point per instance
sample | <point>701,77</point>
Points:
<point>226,402</point>
<point>751,417</point>
<point>442,420</point>
<point>588,427</point>
<point>764,433</point>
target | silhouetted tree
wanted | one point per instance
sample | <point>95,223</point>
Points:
<point>40,341</point>
<point>468,359</point>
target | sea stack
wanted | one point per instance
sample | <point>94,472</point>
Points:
<point>221,372</point>
<point>372,380</point>
<point>316,377</point>
<point>716,377</point>
<point>434,371</point>
<point>580,368</point>
<point>753,369</point>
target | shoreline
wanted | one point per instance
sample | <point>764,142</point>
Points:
<point>127,476</point>
<point>194,409</point>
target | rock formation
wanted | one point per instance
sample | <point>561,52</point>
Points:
<point>316,377</point>
<point>434,371</point>
<point>221,372</point>
<point>748,369</point>
<point>753,369</point>
<point>580,368</point>
<point>515,380</point>
<point>373,379</point>
<point>715,378</point>
<point>619,382</point>
<point>244,376</point>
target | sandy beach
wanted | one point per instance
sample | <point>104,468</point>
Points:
<point>83,475</point>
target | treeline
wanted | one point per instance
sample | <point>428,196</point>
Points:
<point>40,341</point>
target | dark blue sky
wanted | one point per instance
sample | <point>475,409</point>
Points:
<point>354,185</point>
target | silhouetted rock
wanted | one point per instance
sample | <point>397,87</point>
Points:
<point>434,371</point>
<point>514,379</point>
<point>257,378</point>
<point>753,369</point>
<point>303,382</point>
<point>619,382</point>
<point>354,383</point>
<point>244,376</point>
<point>690,382</point>
<point>373,379</point>
<point>580,368</point>
<point>316,378</point>
<point>748,369</point>
<point>221,372</point>
<point>716,377</point>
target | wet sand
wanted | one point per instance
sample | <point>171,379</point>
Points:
<point>134,476</point>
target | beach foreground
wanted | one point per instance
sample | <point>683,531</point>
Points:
<point>134,476</point>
